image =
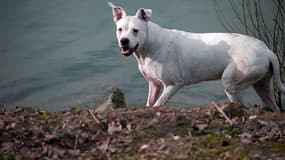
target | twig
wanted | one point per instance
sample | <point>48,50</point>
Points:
<point>223,113</point>
<point>105,147</point>
<point>96,119</point>
<point>76,142</point>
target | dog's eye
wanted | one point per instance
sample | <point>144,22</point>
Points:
<point>135,31</point>
<point>120,29</point>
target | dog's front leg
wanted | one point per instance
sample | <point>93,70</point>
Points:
<point>167,93</point>
<point>153,93</point>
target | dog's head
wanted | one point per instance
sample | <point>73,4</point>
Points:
<point>131,30</point>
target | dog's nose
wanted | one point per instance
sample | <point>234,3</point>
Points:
<point>124,41</point>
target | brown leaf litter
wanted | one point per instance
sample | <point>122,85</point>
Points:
<point>143,133</point>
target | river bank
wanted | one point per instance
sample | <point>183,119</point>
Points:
<point>143,133</point>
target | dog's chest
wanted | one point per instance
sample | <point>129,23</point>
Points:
<point>151,73</point>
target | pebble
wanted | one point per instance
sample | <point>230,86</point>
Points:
<point>176,137</point>
<point>145,146</point>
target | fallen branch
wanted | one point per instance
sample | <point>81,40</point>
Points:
<point>96,119</point>
<point>223,113</point>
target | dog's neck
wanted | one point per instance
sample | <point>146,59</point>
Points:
<point>153,42</point>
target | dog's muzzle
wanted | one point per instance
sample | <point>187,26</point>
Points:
<point>127,51</point>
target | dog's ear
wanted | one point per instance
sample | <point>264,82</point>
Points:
<point>144,14</point>
<point>118,12</point>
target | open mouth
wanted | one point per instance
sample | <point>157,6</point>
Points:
<point>126,51</point>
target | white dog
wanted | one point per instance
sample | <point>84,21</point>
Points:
<point>171,59</point>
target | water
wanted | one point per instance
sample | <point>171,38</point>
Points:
<point>62,53</point>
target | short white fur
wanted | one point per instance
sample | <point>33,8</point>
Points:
<point>170,59</point>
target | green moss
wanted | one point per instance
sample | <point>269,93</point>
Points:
<point>75,110</point>
<point>118,98</point>
<point>138,135</point>
<point>278,146</point>
<point>212,139</point>
<point>240,155</point>
<point>8,156</point>
<point>235,131</point>
<point>133,157</point>
<point>221,152</point>
<point>43,116</point>
<point>205,154</point>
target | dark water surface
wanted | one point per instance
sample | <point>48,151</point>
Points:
<point>61,53</point>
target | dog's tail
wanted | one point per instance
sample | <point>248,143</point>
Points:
<point>276,72</point>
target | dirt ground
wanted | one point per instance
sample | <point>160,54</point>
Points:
<point>143,133</point>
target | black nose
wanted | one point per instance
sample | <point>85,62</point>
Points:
<point>124,41</point>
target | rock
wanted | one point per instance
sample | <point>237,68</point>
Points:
<point>246,138</point>
<point>176,137</point>
<point>144,146</point>
<point>201,127</point>
<point>112,99</point>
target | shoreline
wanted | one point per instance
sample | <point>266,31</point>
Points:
<point>143,133</point>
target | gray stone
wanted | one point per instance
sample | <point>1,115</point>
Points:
<point>112,99</point>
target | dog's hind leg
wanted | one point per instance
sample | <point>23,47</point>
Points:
<point>166,94</point>
<point>231,81</point>
<point>264,88</point>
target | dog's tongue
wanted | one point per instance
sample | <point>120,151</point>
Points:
<point>125,50</point>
